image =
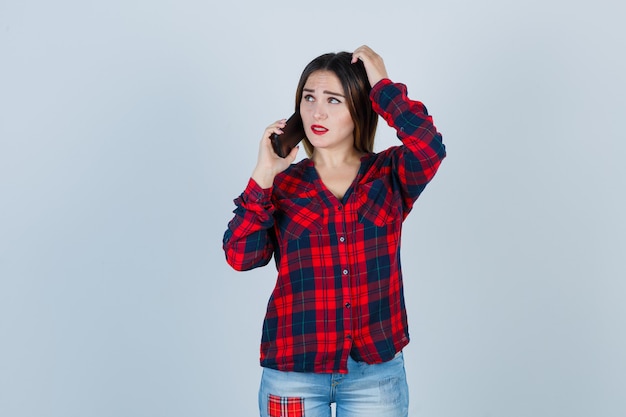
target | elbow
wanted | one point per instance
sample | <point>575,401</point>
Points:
<point>237,266</point>
<point>235,260</point>
<point>242,256</point>
<point>246,263</point>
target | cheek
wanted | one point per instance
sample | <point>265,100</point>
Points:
<point>348,123</point>
<point>305,111</point>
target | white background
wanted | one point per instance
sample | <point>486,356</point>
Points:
<point>128,127</point>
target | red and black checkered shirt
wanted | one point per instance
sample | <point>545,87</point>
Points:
<point>339,289</point>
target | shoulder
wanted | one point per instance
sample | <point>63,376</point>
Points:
<point>384,157</point>
<point>296,178</point>
<point>295,172</point>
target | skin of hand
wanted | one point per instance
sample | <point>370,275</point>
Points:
<point>268,163</point>
<point>374,64</point>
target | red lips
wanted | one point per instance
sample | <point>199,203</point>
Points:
<point>318,130</point>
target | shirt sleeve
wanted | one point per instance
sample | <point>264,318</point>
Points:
<point>249,241</point>
<point>414,163</point>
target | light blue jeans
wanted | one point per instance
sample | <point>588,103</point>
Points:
<point>378,390</point>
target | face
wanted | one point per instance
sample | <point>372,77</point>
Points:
<point>325,115</point>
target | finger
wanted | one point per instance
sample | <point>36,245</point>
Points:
<point>362,52</point>
<point>356,54</point>
<point>292,155</point>
<point>275,127</point>
<point>278,123</point>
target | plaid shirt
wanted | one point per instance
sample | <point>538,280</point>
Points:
<point>339,289</point>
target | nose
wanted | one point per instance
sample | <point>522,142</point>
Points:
<point>320,112</point>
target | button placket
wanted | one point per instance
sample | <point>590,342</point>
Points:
<point>345,267</point>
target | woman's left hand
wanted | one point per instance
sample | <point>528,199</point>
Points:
<point>374,65</point>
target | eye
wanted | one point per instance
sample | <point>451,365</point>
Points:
<point>334,100</point>
<point>308,97</point>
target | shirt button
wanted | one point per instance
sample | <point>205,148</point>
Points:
<point>339,208</point>
<point>347,305</point>
<point>345,272</point>
<point>342,239</point>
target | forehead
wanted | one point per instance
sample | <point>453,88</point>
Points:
<point>324,81</point>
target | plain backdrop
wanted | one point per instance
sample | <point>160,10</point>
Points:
<point>127,128</point>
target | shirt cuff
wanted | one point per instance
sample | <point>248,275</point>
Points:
<point>379,86</point>
<point>255,194</point>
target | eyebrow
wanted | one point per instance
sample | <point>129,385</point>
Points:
<point>325,92</point>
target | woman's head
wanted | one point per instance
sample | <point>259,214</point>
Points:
<point>356,89</point>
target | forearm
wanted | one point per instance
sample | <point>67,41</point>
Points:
<point>414,128</point>
<point>416,161</point>
<point>248,240</point>
<point>263,177</point>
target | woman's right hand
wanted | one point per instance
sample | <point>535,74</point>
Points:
<point>268,163</point>
<point>374,64</point>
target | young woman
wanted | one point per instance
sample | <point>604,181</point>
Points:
<point>336,323</point>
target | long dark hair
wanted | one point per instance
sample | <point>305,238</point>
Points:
<point>356,87</point>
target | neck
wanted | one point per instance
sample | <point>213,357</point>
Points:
<point>335,158</point>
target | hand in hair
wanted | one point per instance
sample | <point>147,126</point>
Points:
<point>374,64</point>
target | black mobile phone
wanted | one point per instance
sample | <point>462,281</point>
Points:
<point>293,133</point>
